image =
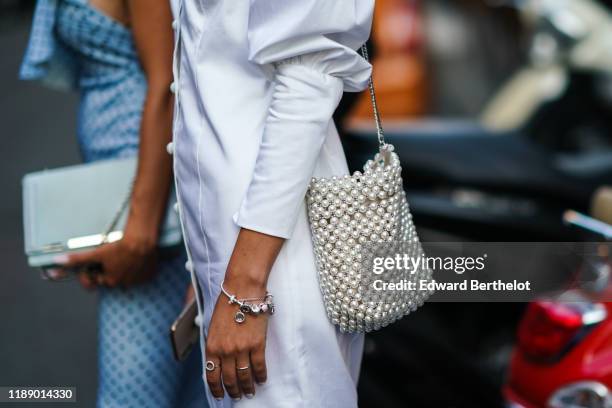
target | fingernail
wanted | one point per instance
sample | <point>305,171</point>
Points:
<point>61,259</point>
<point>249,396</point>
<point>56,273</point>
<point>219,398</point>
<point>236,399</point>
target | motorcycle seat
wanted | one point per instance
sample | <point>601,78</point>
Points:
<point>458,153</point>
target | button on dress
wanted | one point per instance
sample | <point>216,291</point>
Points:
<point>256,85</point>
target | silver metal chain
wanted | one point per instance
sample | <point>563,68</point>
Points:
<point>379,129</point>
<point>118,214</point>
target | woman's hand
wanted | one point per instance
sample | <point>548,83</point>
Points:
<point>232,346</point>
<point>126,262</point>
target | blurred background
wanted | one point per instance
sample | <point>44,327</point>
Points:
<point>48,334</point>
<point>501,113</point>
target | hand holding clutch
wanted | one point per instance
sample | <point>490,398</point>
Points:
<point>127,262</point>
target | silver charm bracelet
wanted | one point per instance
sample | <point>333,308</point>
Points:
<point>255,306</point>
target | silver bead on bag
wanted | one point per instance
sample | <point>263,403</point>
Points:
<point>356,220</point>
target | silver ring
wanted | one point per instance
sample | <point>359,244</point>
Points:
<point>243,368</point>
<point>210,365</point>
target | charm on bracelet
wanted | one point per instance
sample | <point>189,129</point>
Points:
<point>239,317</point>
<point>247,306</point>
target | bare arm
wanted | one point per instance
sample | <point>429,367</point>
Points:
<point>229,345</point>
<point>251,261</point>
<point>151,26</point>
<point>131,260</point>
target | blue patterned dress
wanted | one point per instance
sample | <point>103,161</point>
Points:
<point>75,46</point>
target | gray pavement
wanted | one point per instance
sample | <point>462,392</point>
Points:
<point>48,331</point>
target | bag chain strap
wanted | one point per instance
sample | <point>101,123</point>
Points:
<point>118,214</point>
<point>379,130</point>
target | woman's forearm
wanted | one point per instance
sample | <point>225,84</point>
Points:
<point>251,262</point>
<point>151,27</point>
<point>154,171</point>
<point>132,260</point>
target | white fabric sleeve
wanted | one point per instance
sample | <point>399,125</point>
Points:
<point>309,46</point>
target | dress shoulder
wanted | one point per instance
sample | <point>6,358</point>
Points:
<point>45,58</point>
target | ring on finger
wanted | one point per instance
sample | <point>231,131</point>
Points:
<point>243,368</point>
<point>210,365</point>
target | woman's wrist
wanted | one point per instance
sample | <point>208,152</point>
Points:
<point>247,282</point>
<point>251,262</point>
<point>140,236</point>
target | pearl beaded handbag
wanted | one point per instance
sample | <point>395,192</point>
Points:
<point>357,220</point>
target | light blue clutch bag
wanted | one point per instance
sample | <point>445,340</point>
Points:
<point>75,208</point>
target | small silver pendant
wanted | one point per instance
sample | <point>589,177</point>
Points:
<point>239,317</point>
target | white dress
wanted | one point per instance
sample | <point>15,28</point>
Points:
<point>256,85</point>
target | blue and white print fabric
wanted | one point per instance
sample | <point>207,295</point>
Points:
<point>73,45</point>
